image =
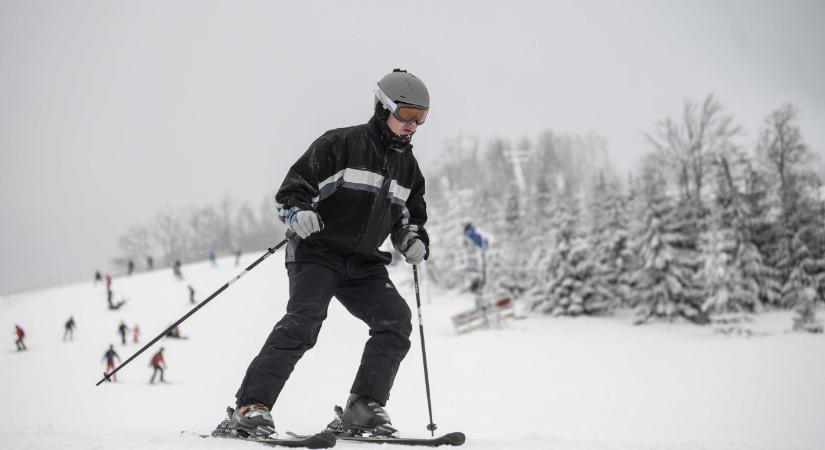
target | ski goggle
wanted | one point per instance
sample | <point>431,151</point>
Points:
<point>402,112</point>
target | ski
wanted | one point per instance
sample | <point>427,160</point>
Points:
<point>319,440</point>
<point>454,439</point>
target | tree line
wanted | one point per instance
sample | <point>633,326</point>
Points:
<point>189,234</point>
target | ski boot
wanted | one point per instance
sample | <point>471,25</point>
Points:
<point>247,421</point>
<point>362,417</point>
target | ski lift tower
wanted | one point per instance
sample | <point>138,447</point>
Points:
<point>517,157</point>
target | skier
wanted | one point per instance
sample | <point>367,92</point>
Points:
<point>149,262</point>
<point>237,257</point>
<point>70,326</point>
<point>474,236</point>
<point>112,305</point>
<point>191,294</point>
<point>110,357</point>
<point>212,258</point>
<point>175,333</point>
<point>130,267</point>
<point>158,364</point>
<point>122,329</point>
<point>478,239</point>
<point>98,277</point>
<point>351,189</point>
<point>135,334</point>
<point>108,281</point>
<point>176,270</point>
<point>20,334</point>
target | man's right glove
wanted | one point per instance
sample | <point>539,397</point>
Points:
<point>304,223</point>
<point>415,252</point>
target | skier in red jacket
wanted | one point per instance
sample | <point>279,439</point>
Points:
<point>20,335</point>
<point>158,364</point>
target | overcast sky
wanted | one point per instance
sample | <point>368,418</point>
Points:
<point>111,111</point>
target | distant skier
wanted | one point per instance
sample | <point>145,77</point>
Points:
<point>237,257</point>
<point>109,295</point>
<point>69,329</point>
<point>108,281</point>
<point>110,356</point>
<point>20,335</point>
<point>130,267</point>
<point>212,258</point>
<point>365,184</point>
<point>176,270</point>
<point>175,333</point>
<point>158,365</point>
<point>191,294</point>
<point>122,329</point>
<point>135,334</point>
<point>98,277</point>
<point>474,236</point>
<point>150,262</point>
<point>477,285</point>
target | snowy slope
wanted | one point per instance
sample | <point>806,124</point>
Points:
<point>539,383</point>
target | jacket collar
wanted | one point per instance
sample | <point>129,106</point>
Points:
<point>388,139</point>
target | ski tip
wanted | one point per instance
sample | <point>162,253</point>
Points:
<point>456,438</point>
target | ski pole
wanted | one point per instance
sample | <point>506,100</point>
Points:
<point>107,376</point>
<point>431,425</point>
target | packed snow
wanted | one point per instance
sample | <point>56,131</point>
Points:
<point>535,383</point>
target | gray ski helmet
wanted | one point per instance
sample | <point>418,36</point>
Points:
<point>402,87</point>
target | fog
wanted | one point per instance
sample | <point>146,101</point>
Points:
<point>111,111</point>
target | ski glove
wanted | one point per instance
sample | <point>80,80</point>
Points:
<point>304,223</point>
<point>415,252</point>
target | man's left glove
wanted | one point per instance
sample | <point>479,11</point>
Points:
<point>415,252</point>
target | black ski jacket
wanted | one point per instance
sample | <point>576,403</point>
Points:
<point>363,188</point>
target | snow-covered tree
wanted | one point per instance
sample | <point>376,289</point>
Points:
<point>797,249</point>
<point>609,238</point>
<point>736,273</point>
<point>805,317</point>
<point>666,281</point>
<point>577,279</point>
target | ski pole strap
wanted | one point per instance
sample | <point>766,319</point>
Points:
<point>270,251</point>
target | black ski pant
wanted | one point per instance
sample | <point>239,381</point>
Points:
<point>157,369</point>
<point>368,294</point>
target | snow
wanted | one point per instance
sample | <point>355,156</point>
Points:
<point>537,383</point>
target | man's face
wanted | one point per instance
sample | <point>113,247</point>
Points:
<point>401,128</point>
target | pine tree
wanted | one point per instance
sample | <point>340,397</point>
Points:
<point>666,283</point>
<point>735,269</point>
<point>805,318</point>
<point>577,282</point>
<point>807,273</point>
<point>609,237</point>
<point>797,251</point>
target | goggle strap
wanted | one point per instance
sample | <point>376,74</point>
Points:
<point>386,101</point>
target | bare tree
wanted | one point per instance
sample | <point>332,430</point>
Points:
<point>136,242</point>
<point>170,234</point>
<point>687,147</point>
<point>781,147</point>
